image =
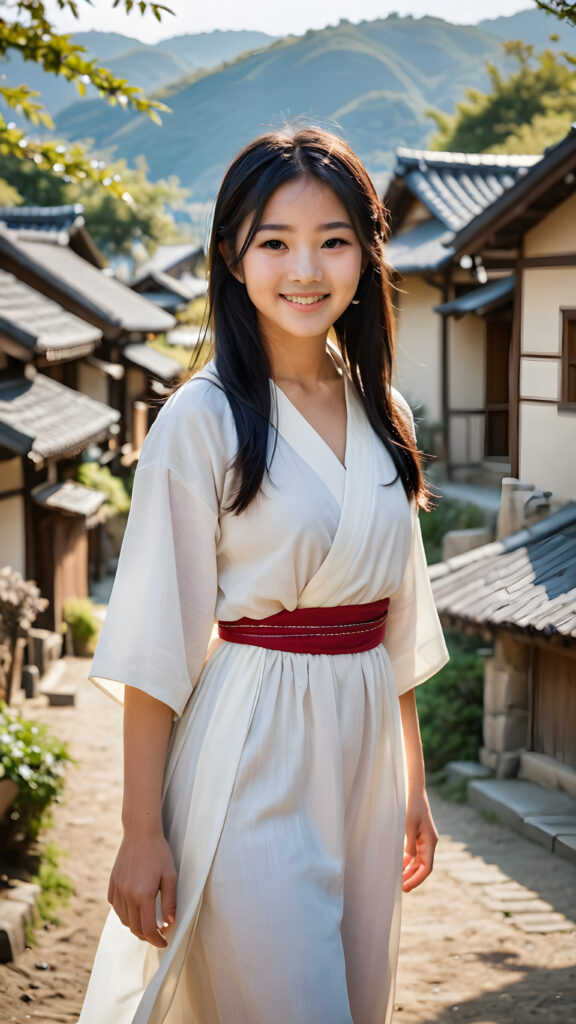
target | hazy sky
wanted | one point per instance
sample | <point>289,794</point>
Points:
<point>267,15</point>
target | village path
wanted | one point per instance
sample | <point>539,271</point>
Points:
<point>465,956</point>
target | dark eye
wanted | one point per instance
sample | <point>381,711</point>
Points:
<point>273,243</point>
<point>334,243</point>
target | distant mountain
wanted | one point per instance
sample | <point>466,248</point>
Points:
<point>374,81</point>
<point>532,26</point>
<point>149,66</point>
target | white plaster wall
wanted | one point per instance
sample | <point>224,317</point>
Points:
<point>540,378</point>
<point>548,449</point>
<point>92,383</point>
<point>418,339</point>
<point>467,363</point>
<point>545,291</point>
<point>11,475</point>
<point>555,234</point>
<point>12,535</point>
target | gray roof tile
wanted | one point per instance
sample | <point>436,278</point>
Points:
<point>525,582</point>
<point>41,324</point>
<point>155,363</point>
<point>70,497</point>
<point>42,419</point>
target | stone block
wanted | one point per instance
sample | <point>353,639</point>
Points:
<point>488,758</point>
<point>512,653</point>
<point>547,772</point>
<point>508,764</point>
<point>12,929</point>
<point>31,680</point>
<point>506,731</point>
<point>513,800</point>
<point>504,688</point>
<point>544,829</point>
<point>457,542</point>
<point>464,771</point>
<point>565,846</point>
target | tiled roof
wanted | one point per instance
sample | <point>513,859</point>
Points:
<point>480,300</point>
<point>422,248</point>
<point>155,363</point>
<point>165,257</point>
<point>42,218</point>
<point>73,278</point>
<point>40,324</point>
<point>456,187</point>
<point>70,497</point>
<point>42,419</point>
<point>525,582</point>
<point>165,288</point>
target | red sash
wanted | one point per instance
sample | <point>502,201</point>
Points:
<point>346,629</point>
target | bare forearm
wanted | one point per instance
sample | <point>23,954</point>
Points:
<point>412,741</point>
<point>147,728</point>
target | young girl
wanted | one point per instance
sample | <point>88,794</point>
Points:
<point>270,786</point>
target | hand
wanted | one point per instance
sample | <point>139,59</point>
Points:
<point>144,865</point>
<point>421,839</point>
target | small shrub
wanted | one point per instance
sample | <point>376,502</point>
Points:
<point>450,706</point>
<point>56,888</point>
<point>35,760</point>
<point>82,622</point>
<point>448,515</point>
<point>91,474</point>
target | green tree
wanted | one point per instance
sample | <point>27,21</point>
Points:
<point>114,222</point>
<point>33,36</point>
<point>525,112</point>
<point>563,9</point>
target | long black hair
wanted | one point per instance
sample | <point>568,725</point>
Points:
<point>364,331</point>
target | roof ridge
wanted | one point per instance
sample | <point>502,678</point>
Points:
<point>446,157</point>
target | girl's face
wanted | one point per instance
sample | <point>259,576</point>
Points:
<point>302,267</point>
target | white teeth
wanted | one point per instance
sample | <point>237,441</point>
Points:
<point>301,300</point>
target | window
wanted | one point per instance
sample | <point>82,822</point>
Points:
<point>569,358</point>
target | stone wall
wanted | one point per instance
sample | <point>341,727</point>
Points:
<point>506,702</point>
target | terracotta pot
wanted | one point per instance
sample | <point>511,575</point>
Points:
<point>8,791</point>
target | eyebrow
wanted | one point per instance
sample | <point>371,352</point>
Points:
<point>333,225</point>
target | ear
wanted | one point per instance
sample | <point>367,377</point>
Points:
<point>228,257</point>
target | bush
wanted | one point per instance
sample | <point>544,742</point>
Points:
<point>91,474</point>
<point>448,515</point>
<point>35,760</point>
<point>83,624</point>
<point>450,706</point>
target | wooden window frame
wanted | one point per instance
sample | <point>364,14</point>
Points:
<point>568,316</point>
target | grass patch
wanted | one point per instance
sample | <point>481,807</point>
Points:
<point>56,888</point>
<point>448,515</point>
<point>450,706</point>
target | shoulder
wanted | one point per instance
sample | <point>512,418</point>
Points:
<point>402,406</point>
<point>195,424</point>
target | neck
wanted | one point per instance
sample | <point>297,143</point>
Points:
<point>305,361</point>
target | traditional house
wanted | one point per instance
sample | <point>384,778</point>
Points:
<point>124,372</point>
<point>520,591</point>
<point>450,370</point>
<point>45,517</point>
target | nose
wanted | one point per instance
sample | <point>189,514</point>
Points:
<point>305,266</point>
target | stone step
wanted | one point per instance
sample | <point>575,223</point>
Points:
<point>514,800</point>
<point>60,691</point>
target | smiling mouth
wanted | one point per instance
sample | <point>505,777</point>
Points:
<point>305,300</point>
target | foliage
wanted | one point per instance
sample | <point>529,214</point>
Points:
<point>450,705</point>
<point>56,888</point>
<point>448,515</point>
<point>532,107</point>
<point>91,474</point>
<point>79,616</point>
<point>113,222</point>
<point>20,603</point>
<point>32,35</point>
<point>563,9</point>
<point>35,760</point>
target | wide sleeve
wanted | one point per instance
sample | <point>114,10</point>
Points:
<point>162,606</point>
<point>414,639</point>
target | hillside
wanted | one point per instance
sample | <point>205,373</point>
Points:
<point>533,26</point>
<point>374,80</point>
<point>149,66</point>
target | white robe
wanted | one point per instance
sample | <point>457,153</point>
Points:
<point>284,793</point>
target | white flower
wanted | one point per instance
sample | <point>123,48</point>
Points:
<point>25,772</point>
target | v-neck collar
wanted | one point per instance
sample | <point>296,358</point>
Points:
<point>293,426</point>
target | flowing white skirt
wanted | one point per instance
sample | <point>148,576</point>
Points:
<point>284,806</point>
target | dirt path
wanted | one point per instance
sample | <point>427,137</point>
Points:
<point>465,954</point>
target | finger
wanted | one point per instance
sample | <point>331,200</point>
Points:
<point>168,897</point>
<point>135,923</point>
<point>415,879</point>
<point>149,925</point>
